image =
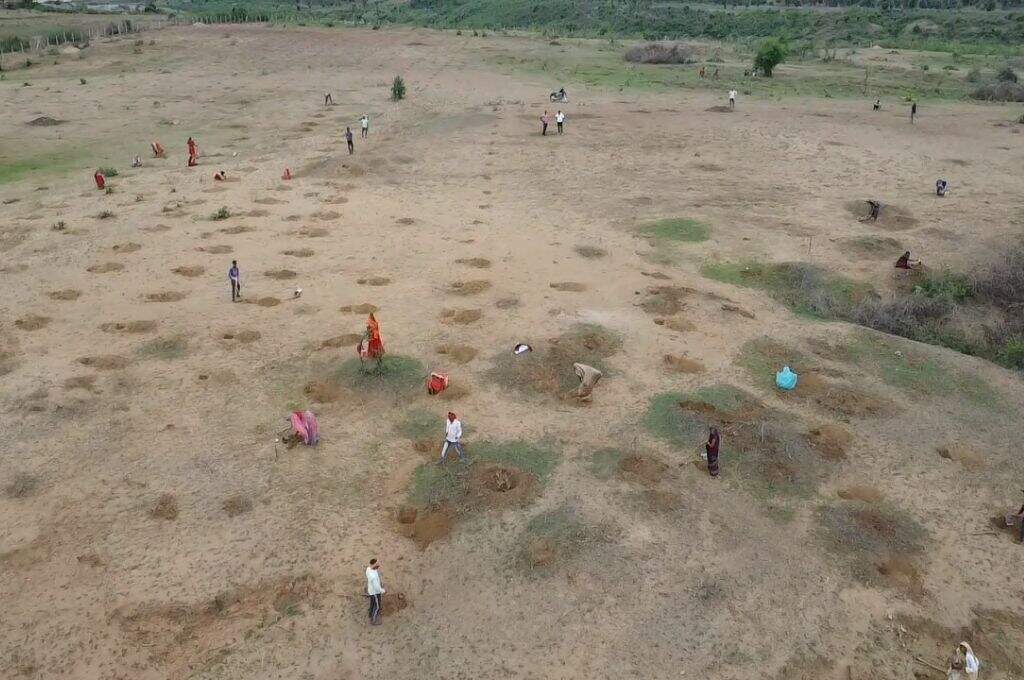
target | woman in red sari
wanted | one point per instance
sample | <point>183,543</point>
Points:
<point>712,450</point>
<point>372,346</point>
<point>193,152</point>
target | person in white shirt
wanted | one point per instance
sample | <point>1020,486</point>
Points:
<point>452,437</point>
<point>732,99</point>
<point>559,119</point>
<point>364,122</point>
<point>374,590</point>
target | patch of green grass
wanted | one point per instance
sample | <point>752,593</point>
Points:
<point>900,364</point>
<point>806,289</point>
<point>763,357</point>
<point>397,373</point>
<point>433,483</point>
<point>604,463</point>
<point>683,429</point>
<point>420,423</point>
<point>946,285</point>
<point>222,214</point>
<point>677,229</point>
<point>559,524</point>
<point>109,172</point>
<point>165,348</point>
<point>50,163</point>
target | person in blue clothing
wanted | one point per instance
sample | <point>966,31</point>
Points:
<point>235,277</point>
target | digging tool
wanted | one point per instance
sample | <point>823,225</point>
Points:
<point>930,665</point>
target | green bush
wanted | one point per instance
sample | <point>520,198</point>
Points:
<point>771,53</point>
<point>109,172</point>
<point>221,214</point>
<point>1006,75</point>
<point>398,89</point>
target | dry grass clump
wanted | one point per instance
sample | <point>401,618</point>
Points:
<point>166,507</point>
<point>22,486</point>
<point>1003,91</point>
<point>548,369</point>
<point>237,504</point>
<point>662,53</point>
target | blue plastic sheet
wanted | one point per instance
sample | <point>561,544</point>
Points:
<point>786,379</point>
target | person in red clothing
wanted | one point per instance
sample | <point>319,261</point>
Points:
<point>193,152</point>
<point>101,180</point>
<point>544,120</point>
<point>904,262</point>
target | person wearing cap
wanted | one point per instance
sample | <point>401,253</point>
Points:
<point>452,437</point>
<point>375,590</point>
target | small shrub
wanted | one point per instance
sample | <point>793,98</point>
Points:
<point>771,53</point>
<point>221,214</point>
<point>398,89</point>
<point>1006,75</point>
<point>974,75</point>
<point>105,215</point>
<point>109,172</point>
<point>947,285</point>
<point>676,229</point>
<point>661,53</point>
<point>1000,92</point>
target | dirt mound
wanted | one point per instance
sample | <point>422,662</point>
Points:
<point>346,340</point>
<point>540,551</point>
<point>81,382</point>
<point>22,486</point>
<point>280,274</point>
<point>323,391</point>
<point>268,302</point>
<point>237,505</point>
<point>66,295</point>
<point>871,247</point>
<point>677,364</point>
<point>497,486</point>
<point>393,602</point>
<point>427,526</point>
<point>166,507</point>
<point>676,323</point>
<point>891,217</point>
<point>900,573</point>
<point>242,337</point>
<point>720,108</point>
<point>365,308</point>
<point>105,268</point>
<point>477,262</point>
<point>968,457</point>
<point>312,232</point>
<point>166,296</point>
<point>104,362</point>
<point>374,281</point>
<point>647,470</point>
<point>861,492</point>
<point>507,303</point>
<point>125,248</point>
<point>128,327</point>
<point>830,441</point>
<point>270,201</point>
<point>666,300</point>
<point>233,231</point>
<point>326,215</point>
<point>850,402</point>
<point>468,287</point>
<point>461,316</point>
<point>569,287</point>
<point>189,271</point>
<point>215,250</point>
<point>460,354</point>
<point>300,252</point>
<point>44,121</point>
<point>156,228</point>
<point>660,500</point>
<point>32,322</point>
<point>590,252</point>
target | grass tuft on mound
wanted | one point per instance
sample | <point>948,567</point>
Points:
<point>166,349</point>
<point>397,373</point>
<point>604,463</point>
<point>676,229</point>
<point>548,369</point>
<point>434,484</point>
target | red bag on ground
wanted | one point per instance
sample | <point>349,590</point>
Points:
<point>101,180</point>
<point>437,383</point>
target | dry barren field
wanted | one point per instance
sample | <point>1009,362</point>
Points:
<point>154,526</point>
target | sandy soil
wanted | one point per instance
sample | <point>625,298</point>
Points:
<point>154,527</point>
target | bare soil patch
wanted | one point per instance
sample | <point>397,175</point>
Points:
<point>323,391</point>
<point>861,492</point>
<point>345,340</point>
<point>237,505</point>
<point>477,262</point>
<point>467,288</point>
<point>967,456</point>
<point>590,252</point>
<point>66,295</point>
<point>32,322</point>
<point>460,354</point>
<point>364,308</point>
<point>678,364</point>
<point>166,507</point>
<point>427,525</point>
<point>242,337</point>
<point>666,300</point>
<point>890,217</point>
<point>105,268</point>
<point>166,296</point>
<point>393,602</point>
<point>105,362</point>
<point>81,382</point>
<point>189,271</point>
<point>569,287</point>
<point>22,485</point>
<point>647,470</point>
<point>240,229</point>
<point>461,316</point>
<point>829,440</point>
<point>678,324</point>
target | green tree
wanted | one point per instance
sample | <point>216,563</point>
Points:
<point>771,53</point>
